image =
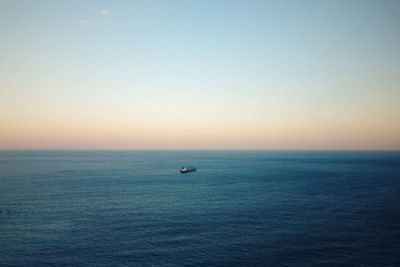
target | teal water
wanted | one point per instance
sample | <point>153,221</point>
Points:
<point>240,208</point>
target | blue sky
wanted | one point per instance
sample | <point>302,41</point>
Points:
<point>200,74</point>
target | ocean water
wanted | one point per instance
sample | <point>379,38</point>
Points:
<point>241,208</point>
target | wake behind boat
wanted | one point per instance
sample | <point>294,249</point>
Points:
<point>187,169</point>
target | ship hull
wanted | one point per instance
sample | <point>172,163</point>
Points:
<point>188,170</point>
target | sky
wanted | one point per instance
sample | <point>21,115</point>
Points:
<point>200,74</point>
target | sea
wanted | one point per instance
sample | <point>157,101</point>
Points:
<point>240,208</point>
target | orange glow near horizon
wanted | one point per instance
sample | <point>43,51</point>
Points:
<point>223,136</point>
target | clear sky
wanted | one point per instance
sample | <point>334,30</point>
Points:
<point>200,74</point>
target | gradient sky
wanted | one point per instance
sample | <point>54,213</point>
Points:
<point>200,74</point>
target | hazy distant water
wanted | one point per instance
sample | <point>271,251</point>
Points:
<point>243,208</point>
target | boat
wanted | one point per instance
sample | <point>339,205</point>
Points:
<point>187,169</point>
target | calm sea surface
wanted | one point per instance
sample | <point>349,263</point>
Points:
<point>241,208</point>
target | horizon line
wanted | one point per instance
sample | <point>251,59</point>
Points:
<point>203,149</point>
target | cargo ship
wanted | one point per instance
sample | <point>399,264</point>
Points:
<point>187,169</point>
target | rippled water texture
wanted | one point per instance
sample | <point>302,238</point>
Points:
<point>240,208</point>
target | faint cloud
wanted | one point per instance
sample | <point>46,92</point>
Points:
<point>85,21</point>
<point>105,12</point>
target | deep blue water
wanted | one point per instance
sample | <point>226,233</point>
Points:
<point>241,208</point>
